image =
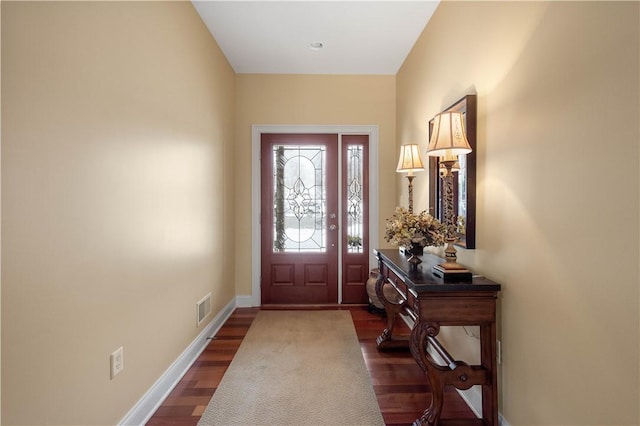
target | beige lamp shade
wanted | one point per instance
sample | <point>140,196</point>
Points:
<point>409,159</point>
<point>448,137</point>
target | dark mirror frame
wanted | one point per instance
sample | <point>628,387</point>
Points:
<point>468,106</point>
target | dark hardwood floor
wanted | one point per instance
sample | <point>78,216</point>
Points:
<point>399,384</point>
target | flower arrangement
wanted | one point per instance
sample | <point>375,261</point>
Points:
<point>405,229</point>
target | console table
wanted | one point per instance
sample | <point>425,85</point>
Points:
<point>432,303</point>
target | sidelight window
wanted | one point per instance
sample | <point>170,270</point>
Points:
<point>355,198</point>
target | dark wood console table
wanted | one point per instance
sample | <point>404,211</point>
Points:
<point>432,303</point>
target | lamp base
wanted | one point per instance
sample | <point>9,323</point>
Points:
<point>452,273</point>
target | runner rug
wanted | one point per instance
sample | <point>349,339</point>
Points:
<point>296,368</point>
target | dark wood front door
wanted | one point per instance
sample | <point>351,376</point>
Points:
<point>299,218</point>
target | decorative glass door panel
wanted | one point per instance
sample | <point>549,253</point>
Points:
<point>299,193</point>
<point>355,198</point>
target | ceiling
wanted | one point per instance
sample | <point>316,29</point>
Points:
<point>275,37</point>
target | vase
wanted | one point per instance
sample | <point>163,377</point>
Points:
<point>415,251</point>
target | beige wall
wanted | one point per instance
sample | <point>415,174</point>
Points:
<point>309,99</point>
<point>116,142</point>
<point>558,204</point>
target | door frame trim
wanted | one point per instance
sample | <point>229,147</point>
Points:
<point>256,131</point>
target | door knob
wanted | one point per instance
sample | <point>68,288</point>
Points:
<point>332,227</point>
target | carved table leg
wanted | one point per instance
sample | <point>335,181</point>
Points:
<point>385,340</point>
<point>435,373</point>
<point>456,373</point>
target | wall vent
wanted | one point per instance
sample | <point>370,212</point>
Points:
<point>203,309</point>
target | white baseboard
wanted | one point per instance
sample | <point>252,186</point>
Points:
<point>150,401</point>
<point>244,302</point>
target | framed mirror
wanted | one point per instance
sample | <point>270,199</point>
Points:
<point>464,179</point>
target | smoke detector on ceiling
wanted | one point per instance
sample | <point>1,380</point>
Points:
<point>316,45</point>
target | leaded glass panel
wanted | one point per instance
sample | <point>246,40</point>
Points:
<point>355,199</point>
<point>299,198</point>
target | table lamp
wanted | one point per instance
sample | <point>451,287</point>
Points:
<point>410,162</point>
<point>448,140</point>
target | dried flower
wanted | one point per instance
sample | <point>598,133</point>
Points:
<point>405,229</point>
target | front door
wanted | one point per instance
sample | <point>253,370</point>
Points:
<point>299,218</point>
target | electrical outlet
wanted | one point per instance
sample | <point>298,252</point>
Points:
<point>498,351</point>
<point>117,362</point>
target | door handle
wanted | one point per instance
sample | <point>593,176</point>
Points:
<point>332,227</point>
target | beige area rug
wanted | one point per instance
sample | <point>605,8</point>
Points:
<point>296,368</point>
